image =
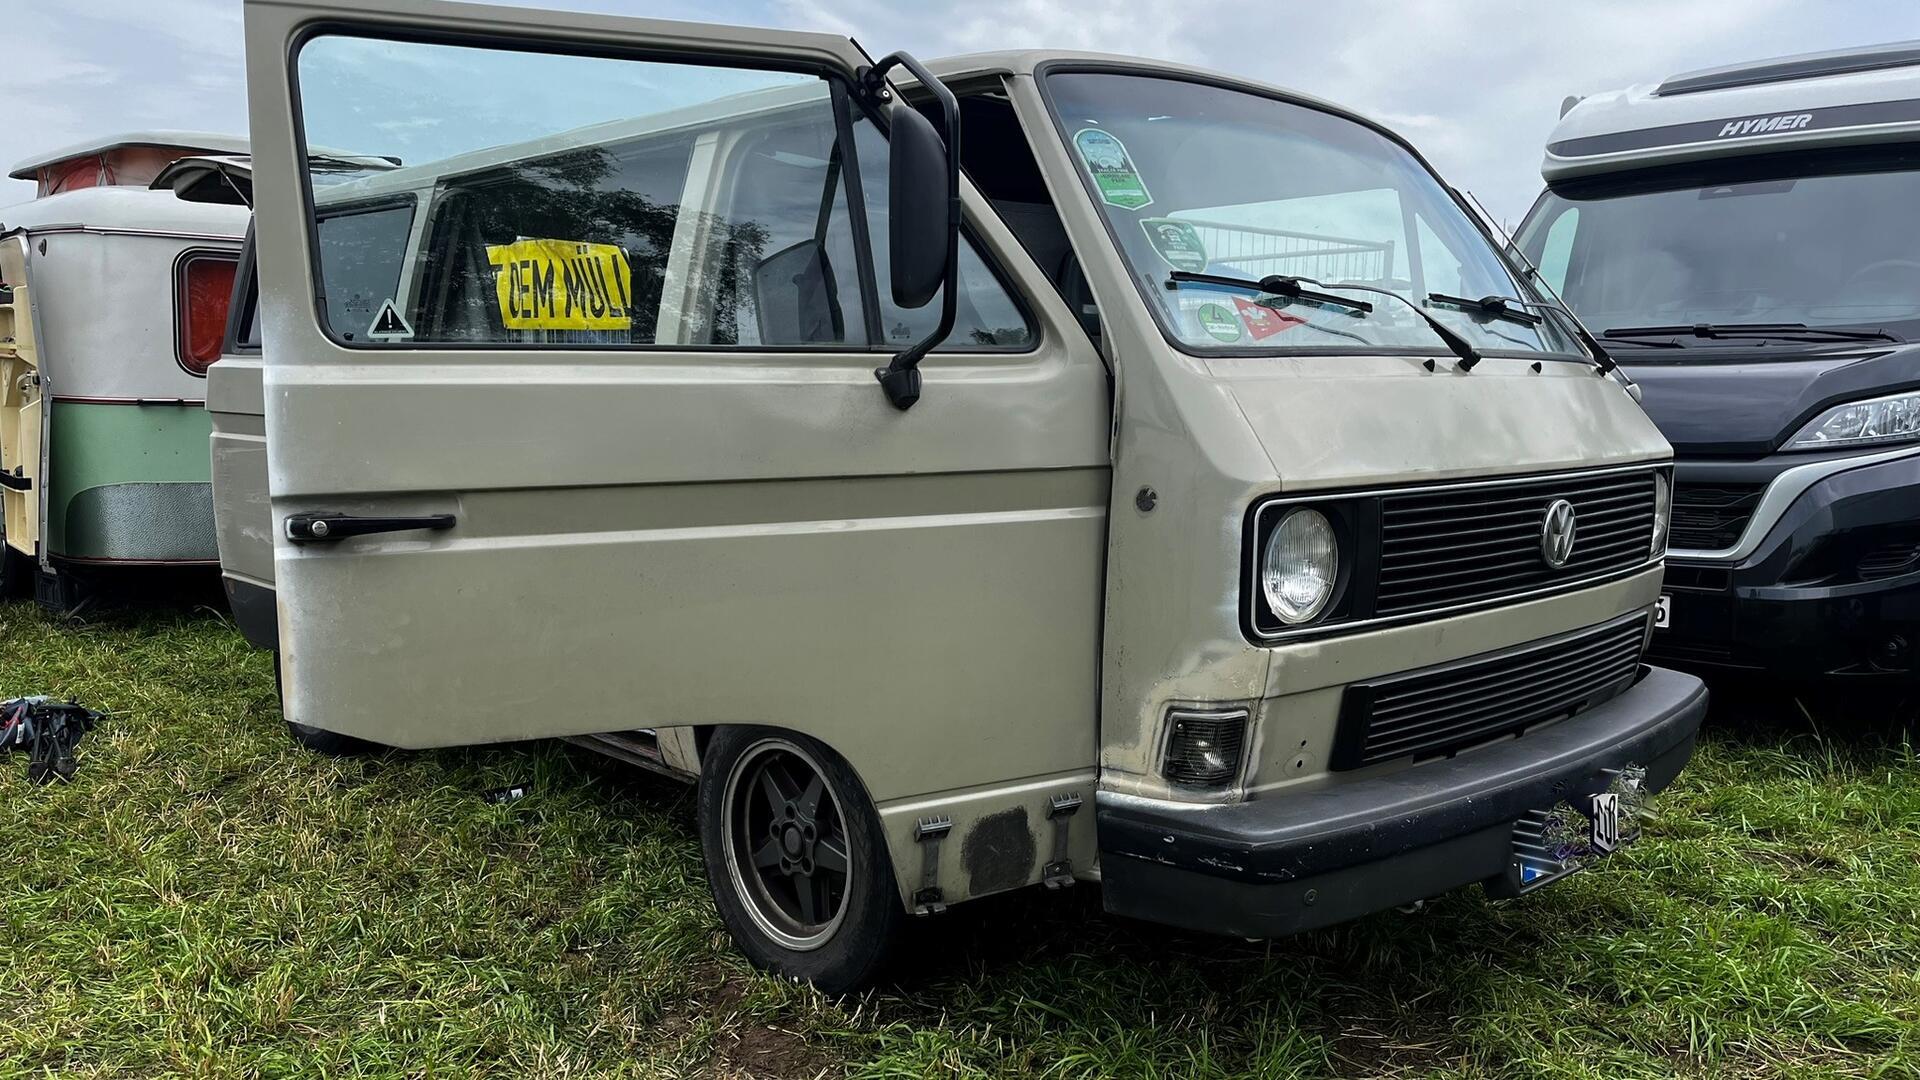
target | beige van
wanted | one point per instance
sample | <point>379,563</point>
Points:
<point>1041,469</point>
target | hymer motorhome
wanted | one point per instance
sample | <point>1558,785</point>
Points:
<point>1743,239</point>
<point>1043,468</point>
<point>113,300</point>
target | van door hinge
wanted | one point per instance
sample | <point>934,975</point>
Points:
<point>928,899</point>
<point>1058,873</point>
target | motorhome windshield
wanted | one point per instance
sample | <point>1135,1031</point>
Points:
<point>1813,243</point>
<point>1208,180</point>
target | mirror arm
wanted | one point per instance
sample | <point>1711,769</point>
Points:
<point>901,377</point>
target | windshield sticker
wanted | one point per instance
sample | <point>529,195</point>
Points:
<point>1112,169</point>
<point>1264,322</point>
<point>1177,242</point>
<point>561,285</point>
<point>388,324</point>
<point>1219,323</point>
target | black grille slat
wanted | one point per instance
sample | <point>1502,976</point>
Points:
<point>1441,711</point>
<point>1710,517</point>
<point>1559,667</point>
<point>1531,707</point>
<point>1469,544</point>
<point>1481,509</point>
<point>1599,538</point>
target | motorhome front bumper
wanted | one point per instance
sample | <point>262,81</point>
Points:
<point>1832,588</point>
<point>1295,862</point>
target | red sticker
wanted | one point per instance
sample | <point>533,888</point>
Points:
<point>1263,321</point>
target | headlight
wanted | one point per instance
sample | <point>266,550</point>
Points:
<point>1861,423</point>
<point>1297,573</point>
<point>1662,513</point>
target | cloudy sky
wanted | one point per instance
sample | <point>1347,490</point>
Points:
<point>1475,84</point>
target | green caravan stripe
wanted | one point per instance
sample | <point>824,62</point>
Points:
<point>98,445</point>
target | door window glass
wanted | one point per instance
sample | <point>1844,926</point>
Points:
<point>574,201</point>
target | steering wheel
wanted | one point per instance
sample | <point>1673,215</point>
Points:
<point>1868,271</point>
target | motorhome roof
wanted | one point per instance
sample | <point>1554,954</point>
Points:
<point>1838,98</point>
<point>203,141</point>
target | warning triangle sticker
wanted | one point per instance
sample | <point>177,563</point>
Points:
<point>388,325</point>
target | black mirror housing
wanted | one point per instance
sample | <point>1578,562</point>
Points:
<point>924,206</point>
<point>917,208</point>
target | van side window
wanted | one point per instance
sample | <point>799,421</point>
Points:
<point>361,249</point>
<point>649,204</point>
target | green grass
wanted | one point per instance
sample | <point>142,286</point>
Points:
<point>207,900</point>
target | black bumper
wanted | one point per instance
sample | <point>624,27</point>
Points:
<point>1295,862</point>
<point>1803,607</point>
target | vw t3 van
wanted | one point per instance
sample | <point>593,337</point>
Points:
<point>1025,469</point>
<point>113,301</point>
<point>1743,239</point>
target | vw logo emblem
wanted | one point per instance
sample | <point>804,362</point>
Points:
<point>1556,534</point>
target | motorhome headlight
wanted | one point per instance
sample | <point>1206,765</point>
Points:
<point>1861,423</point>
<point>1662,513</point>
<point>1300,566</point>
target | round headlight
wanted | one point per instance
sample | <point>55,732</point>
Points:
<point>1297,571</point>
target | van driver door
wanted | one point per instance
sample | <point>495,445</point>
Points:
<point>570,331</point>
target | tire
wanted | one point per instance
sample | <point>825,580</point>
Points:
<point>16,572</point>
<point>318,740</point>
<point>330,743</point>
<point>792,911</point>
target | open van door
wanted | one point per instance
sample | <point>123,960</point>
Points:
<point>23,419</point>
<point>573,424</point>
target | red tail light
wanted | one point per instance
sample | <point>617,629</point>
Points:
<point>201,292</point>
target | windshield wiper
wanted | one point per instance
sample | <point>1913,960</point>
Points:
<point>1788,331</point>
<point>1644,343</point>
<point>1498,307</point>
<point>1292,287</point>
<point>1277,284</point>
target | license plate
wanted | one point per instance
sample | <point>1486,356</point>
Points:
<point>1605,812</point>
<point>1550,844</point>
<point>1662,612</point>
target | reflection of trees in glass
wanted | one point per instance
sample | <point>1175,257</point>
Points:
<point>600,195</point>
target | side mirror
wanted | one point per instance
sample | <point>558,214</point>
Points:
<point>917,208</point>
<point>924,215</point>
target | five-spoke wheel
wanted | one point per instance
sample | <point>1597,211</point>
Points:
<point>799,870</point>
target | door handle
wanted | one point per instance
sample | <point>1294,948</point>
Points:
<point>327,526</point>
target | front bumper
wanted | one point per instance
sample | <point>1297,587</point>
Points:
<point>1295,862</point>
<point>1799,607</point>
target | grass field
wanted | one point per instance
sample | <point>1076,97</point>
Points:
<point>207,900</point>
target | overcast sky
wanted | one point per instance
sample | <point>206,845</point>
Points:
<point>1476,84</point>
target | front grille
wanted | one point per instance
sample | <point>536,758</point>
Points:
<point>1462,545</point>
<point>1711,517</point>
<point>1441,710</point>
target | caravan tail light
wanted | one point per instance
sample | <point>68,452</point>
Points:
<point>202,288</point>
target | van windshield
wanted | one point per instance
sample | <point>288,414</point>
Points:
<point>1208,180</point>
<point>1824,242</point>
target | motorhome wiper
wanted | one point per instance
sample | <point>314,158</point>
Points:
<point>1292,287</point>
<point>1647,343</point>
<point>1789,331</point>
<point>1277,284</point>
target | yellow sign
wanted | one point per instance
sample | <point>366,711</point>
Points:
<point>562,285</point>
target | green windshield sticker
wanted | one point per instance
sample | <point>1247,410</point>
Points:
<point>1219,323</point>
<point>1177,242</point>
<point>1112,169</point>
